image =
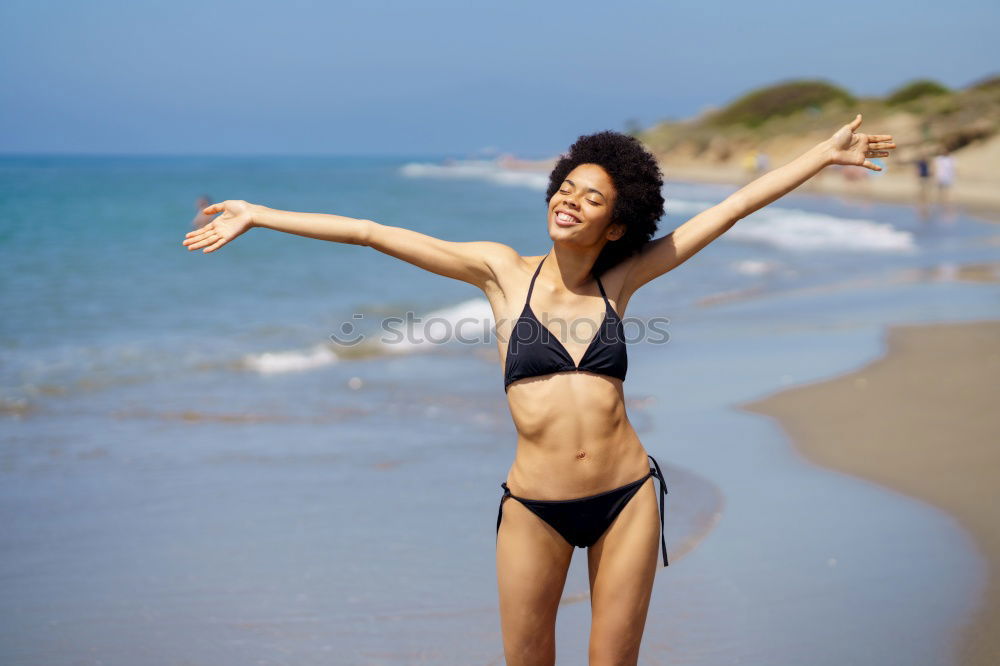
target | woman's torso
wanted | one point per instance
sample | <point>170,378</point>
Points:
<point>574,435</point>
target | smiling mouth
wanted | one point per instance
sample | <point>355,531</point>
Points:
<point>566,219</point>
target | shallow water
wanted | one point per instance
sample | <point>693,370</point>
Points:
<point>193,473</point>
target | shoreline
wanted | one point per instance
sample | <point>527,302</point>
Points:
<point>919,419</point>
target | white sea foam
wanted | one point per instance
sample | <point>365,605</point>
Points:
<point>290,361</point>
<point>794,229</point>
<point>785,228</point>
<point>755,267</point>
<point>478,170</point>
<point>470,321</point>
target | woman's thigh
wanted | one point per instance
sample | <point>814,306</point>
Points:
<point>532,562</point>
<point>622,566</point>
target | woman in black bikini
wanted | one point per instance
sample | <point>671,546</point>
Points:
<point>580,476</point>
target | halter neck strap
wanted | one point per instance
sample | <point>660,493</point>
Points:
<point>601,287</point>
<point>531,287</point>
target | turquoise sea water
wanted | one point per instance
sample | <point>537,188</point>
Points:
<point>194,472</point>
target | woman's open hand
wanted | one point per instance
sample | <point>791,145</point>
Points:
<point>237,217</point>
<point>854,148</point>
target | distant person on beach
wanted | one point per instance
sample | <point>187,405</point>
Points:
<point>923,177</point>
<point>201,218</point>
<point>581,477</point>
<point>763,162</point>
<point>944,174</point>
<point>749,165</point>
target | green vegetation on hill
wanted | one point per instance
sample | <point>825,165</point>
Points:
<point>758,106</point>
<point>915,90</point>
<point>795,110</point>
<point>988,83</point>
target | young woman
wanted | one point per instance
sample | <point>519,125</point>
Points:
<point>580,477</point>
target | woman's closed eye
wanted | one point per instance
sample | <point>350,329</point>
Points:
<point>596,203</point>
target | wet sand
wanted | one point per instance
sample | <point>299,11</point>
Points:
<point>921,420</point>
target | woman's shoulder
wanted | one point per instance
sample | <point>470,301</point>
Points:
<point>514,260</point>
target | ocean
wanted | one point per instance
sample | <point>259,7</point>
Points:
<point>194,471</point>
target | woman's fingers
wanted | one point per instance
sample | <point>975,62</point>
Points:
<point>204,239</point>
<point>201,243</point>
<point>872,166</point>
<point>197,235</point>
<point>213,235</point>
<point>216,245</point>
<point>194,233</point>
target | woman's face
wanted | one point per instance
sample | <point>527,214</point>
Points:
<point>587,196</point>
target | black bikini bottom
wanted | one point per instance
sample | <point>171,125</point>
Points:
<point>582,521</point>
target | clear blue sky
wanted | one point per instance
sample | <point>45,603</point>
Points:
<point>433,77</point>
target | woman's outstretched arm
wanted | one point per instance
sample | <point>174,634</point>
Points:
<point>846,146</point>
<point>475,262</point>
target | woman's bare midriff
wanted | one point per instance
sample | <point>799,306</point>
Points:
<point>574,437</point>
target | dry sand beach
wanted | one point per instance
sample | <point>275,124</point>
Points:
<point>921,420</point>
<point>977,195</point>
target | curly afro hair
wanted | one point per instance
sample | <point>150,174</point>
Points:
<point>638,182</point>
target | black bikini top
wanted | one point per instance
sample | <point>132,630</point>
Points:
<point>530,354</point>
